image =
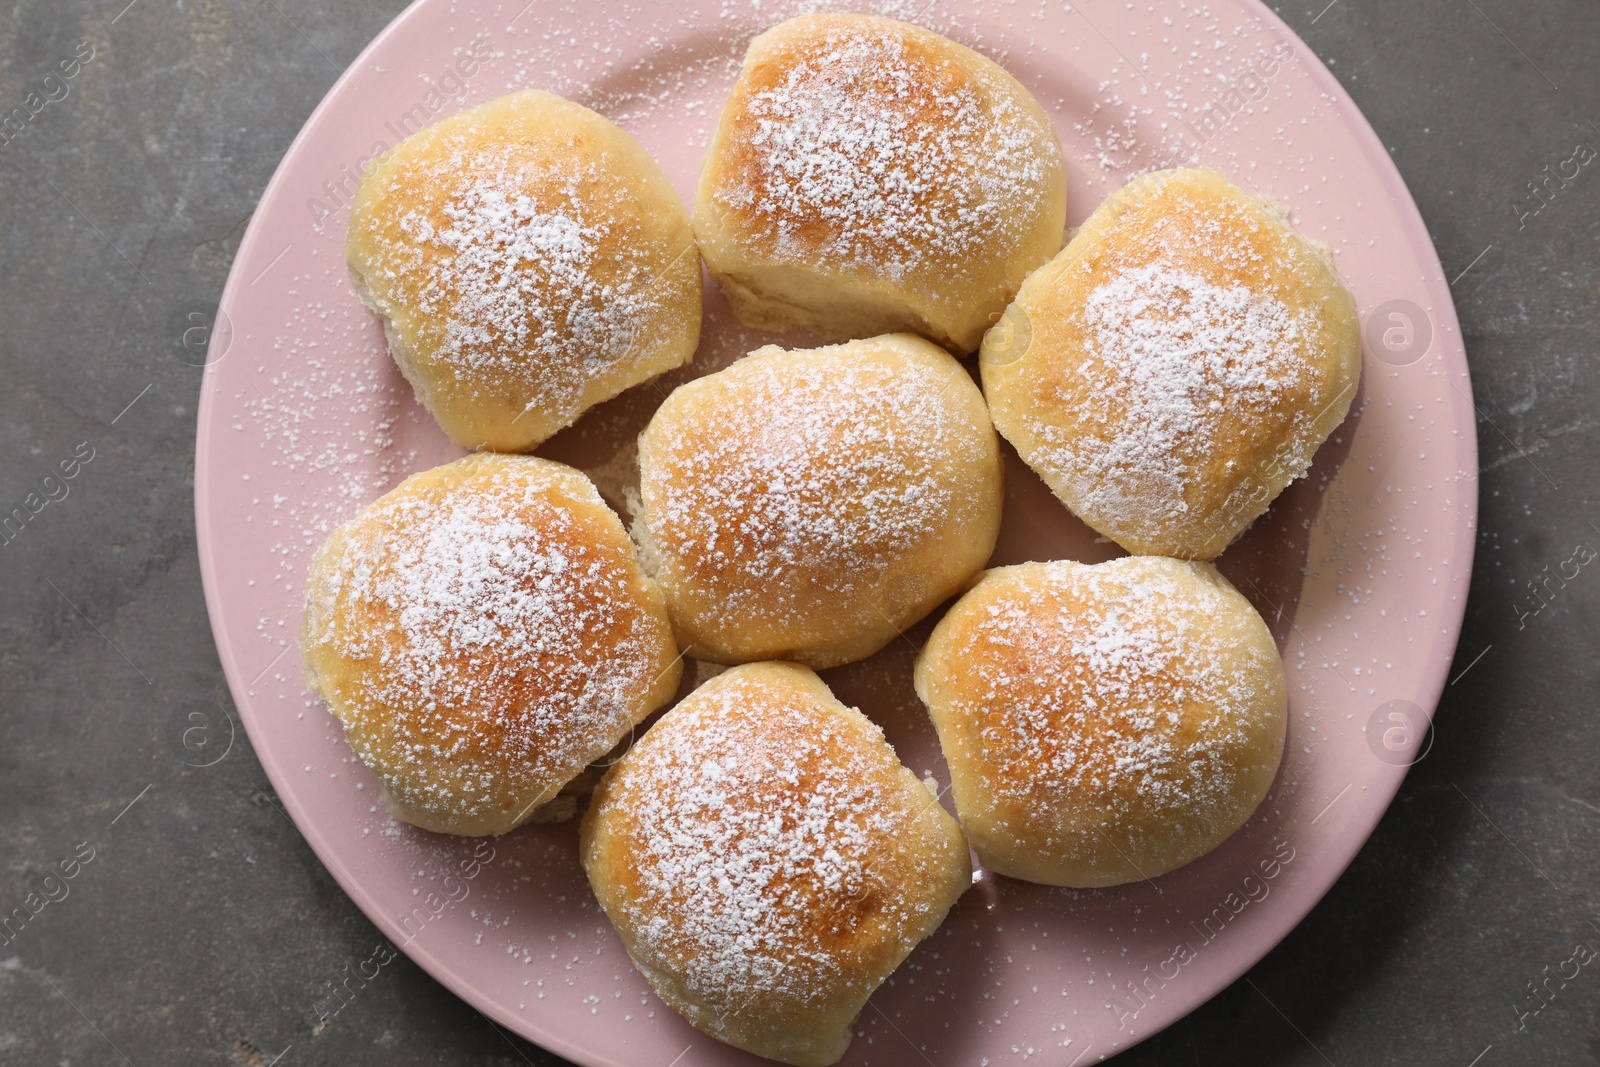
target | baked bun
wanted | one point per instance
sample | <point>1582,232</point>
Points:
<point>811,505</point>
<point>1104,723</point>
<point>529,260</point>
<point>768,861</point>
<point>1176,365</point>
<point>485,632</point>
<point>868,176</point>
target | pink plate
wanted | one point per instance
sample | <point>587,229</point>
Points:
<point>1361,568</point>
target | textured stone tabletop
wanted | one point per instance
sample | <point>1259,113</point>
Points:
<point>198,928</point>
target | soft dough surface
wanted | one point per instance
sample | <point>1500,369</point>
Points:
<point>868,176</point>
<point>1176,365</point>
<point>811,505</point>
<point>484,631</point>
<point>529,260</point>
<point>768,861</point>
<point>1104,723</point>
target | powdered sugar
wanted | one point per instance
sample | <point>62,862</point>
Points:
<point>522,284</point>
<point>1170,353</point>
<point>820,474</point>
<point>869,153</point>
<point>1120,687</point>
<point>762,835</point>
<point>494,631</point>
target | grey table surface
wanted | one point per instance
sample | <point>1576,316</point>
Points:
<point>203,930</point>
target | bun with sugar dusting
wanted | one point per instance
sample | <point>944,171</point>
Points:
<point>768,861</point>
<point>485,632</point>
<point>1177,364</point>
<point>528,259</point>
<point>1106,723</point>
<point>869,176</point>
<point>811,505</point>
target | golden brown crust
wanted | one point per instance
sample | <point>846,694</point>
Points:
<point>529,260</point>
<point>768,861</point>
<point>1176,365</point>
<point>1104,723</point>
<point>810,505</point>
<point>869,176</point>
<point>485,632</point>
